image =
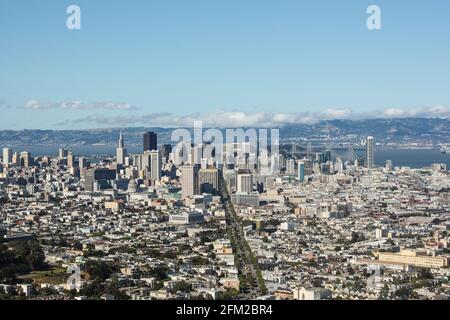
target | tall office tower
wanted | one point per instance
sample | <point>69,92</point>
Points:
<point>150,141</point>
<point>339,164</point>
<point>327,155</point>
<point>331,166</point>
<point>281,161</point>
<point>16,159</point>
<point>208,181</point>
<point>309,150</point>
<point>99,179</point>
<point>197,155</point>
<point>325,168</point>
<point>121,152</point>
<point>189,181</point>
<point>70,160</point>
<point>146,161</point>
<point>275,163</point>
<point>166,149</point>
<point>204,163</point>
<point>7,156</point>
<point>228,160</point>
<point>82,163</point>
<point>240,161</point>
<point>136,159</point>
<point>370,157</point>
<point>62,153</point>
<point>244,181</point>
<point>155,163</point>
<point>230,179</point>
<point>263,162</point>
<point>301,171</point>
<point>322,158</point>
<point>316,168</point>
<point>209,152</point>
<point>290,166</point>
<point>25,159</point>
<point>252,161</point>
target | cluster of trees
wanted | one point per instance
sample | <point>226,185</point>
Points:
<point>229,294</point>
<point>97,288</point>
<point>197,261</point>
<point>159,272</point>
<point>210,236</point>
<point>181,286</point>
<point>19,258</point>
<point>123,249</point>
<point>171,254</point>
<point>99,272</point>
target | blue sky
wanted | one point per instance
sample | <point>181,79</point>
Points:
<point>134,60</point>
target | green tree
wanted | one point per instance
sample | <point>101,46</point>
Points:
<point>182,286</point>
<point>100,270</point>
<point>31,253</point>
<point>384,292</point>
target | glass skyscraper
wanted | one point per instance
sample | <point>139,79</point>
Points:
<point>370,156</point>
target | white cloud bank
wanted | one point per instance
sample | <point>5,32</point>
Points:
<point>239,119</point>
<point>77,105</point>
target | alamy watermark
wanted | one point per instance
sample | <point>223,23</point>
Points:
<point>74,280</point>
<point>73,21</point>
<point>237,147</point>
<point>374,19</point>
<point>374,282</point>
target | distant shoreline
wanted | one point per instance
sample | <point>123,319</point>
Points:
<point>413,157</point>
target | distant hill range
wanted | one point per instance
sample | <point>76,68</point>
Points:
<point>416,129</point>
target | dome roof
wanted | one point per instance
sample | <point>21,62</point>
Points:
<point>132,186</point>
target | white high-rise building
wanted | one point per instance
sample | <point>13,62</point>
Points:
<point>82,163</point>
<point>7,156</point>
<point>188,181</point>
<point>275,163</point>
<point>208,181</point>
<point>263,163</point>
<point>25,159</point>
<point>339,164</point>
<point>244,181</point>
<point>121,152</point>
<point>370,157</point>
<point>145,162</point>
<point>62,153</point>
<point>290,166</point>
<point>16,159</point>
<point>197,155</point>
<point>155,163</point>
<point>70,160</point>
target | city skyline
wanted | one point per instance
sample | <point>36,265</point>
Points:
<point>255,151</point>
<point>162,218</point>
